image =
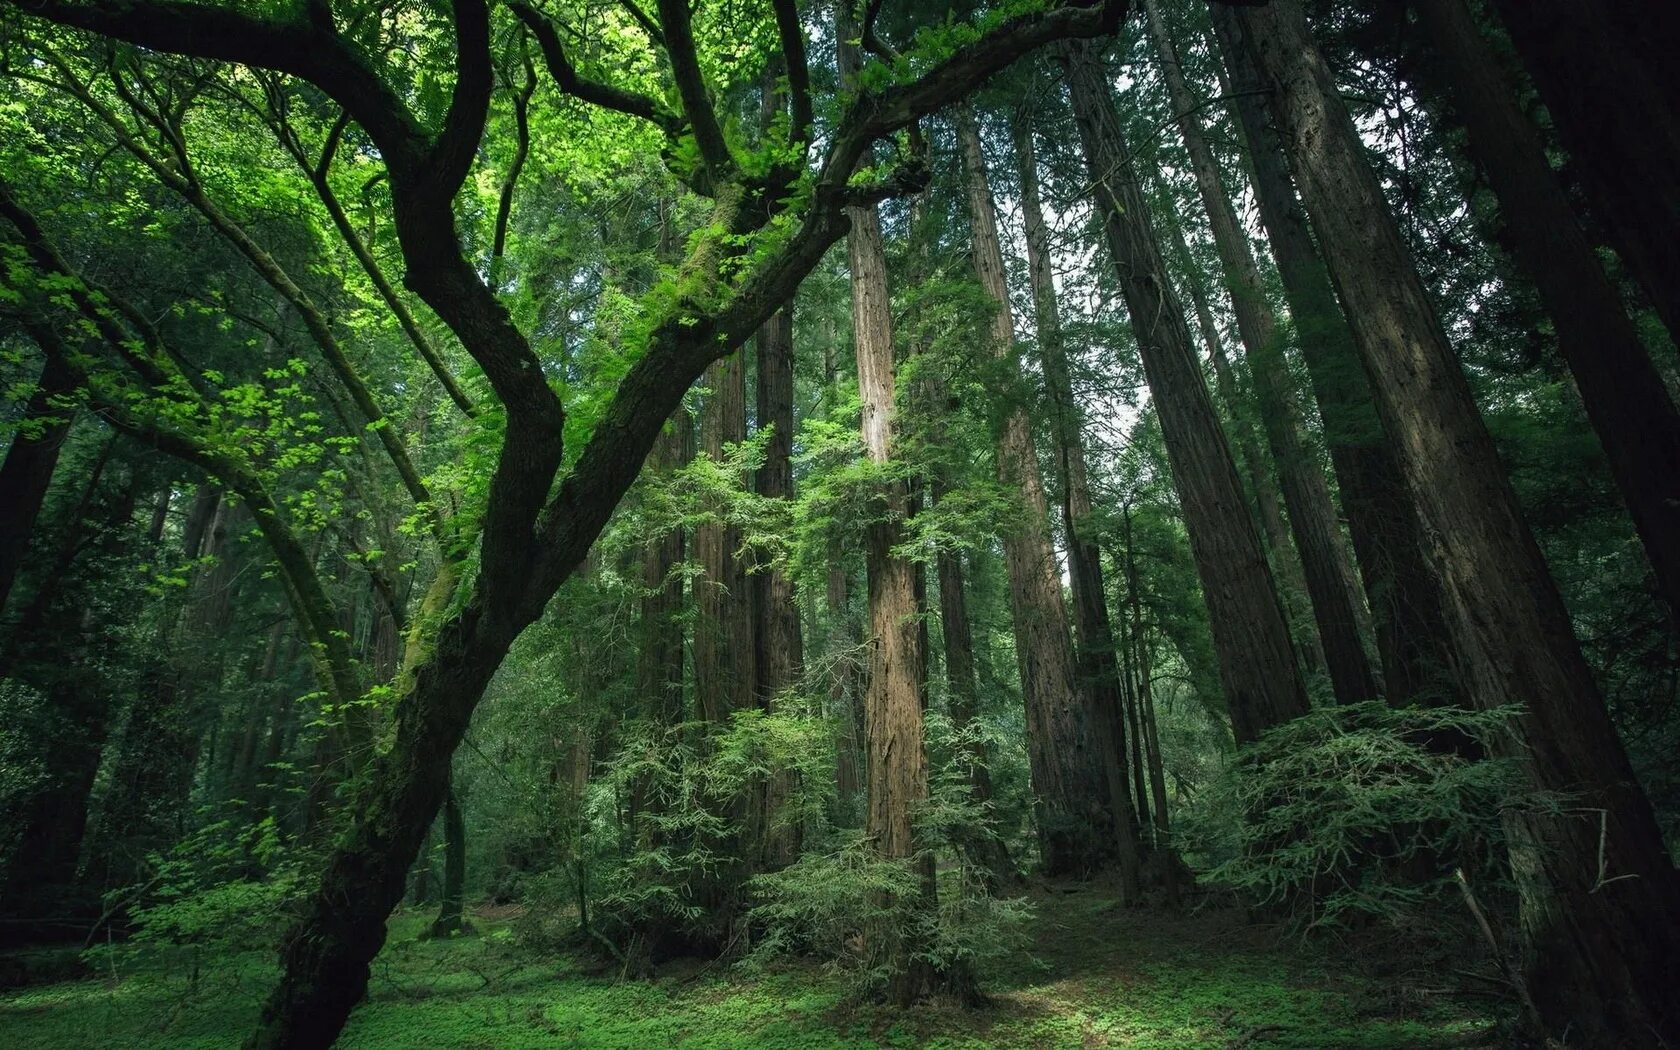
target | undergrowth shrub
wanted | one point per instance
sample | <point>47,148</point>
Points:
<point>825,905</point>
<point>1357,813</point>
<point>229,886</point>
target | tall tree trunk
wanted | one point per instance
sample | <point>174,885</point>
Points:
<point>660,656</point>
<point>1599,901</point>
<point>1312,516</point>
<point>1070,745</point>
<point>723,624</point>
<point>1620,388</point>
<point>780,661</point>
<point>1405,598</point>
<point>1245,448</point>
<point>448,921</point>
<point>27,471</point>
<point>1257,666</point>
<point>1605,72</point>
<point>1098,667</point>
<point>892,712</point>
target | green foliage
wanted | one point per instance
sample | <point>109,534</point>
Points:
<point>1360,810</point>
<point>227,885</point>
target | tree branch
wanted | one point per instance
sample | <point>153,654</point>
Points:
<point>798,70</point>
<point>306,48</point>
<point>567,78</point>
<point>691,89</point>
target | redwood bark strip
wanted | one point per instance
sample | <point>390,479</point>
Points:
<point>724,679</point>
<point>1312,515</point>
<point>1599,900</point>
<point>780,660</point>
<point>1257,666</point>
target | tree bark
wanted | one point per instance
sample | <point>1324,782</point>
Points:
<point>1257,666</point>
<point>1405,599</point>
<point>1599,904</point>
<point>780,660</point>
<point>1070,745</point>
<point>723,624</point>
<point>449,921</point>
<point>1312,515</point>
<point>1621,390</point>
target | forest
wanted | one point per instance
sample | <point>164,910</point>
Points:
<point>839,524</point>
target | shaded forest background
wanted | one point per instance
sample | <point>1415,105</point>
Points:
<point>454,468</point>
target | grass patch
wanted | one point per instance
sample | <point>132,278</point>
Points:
<point>1097,976</point>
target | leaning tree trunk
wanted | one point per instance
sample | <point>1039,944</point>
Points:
<point>1621,390</point>
<point>1257,666</point>
<point>1605,71</point>
<point>28,468</point>
<point>1405,598</point>
<point>1312,515</point>
<point>1599,901</point>
<point>1070,744</point>
<point>1098,667</point>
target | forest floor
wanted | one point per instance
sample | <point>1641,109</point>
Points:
<point>1096,976</point>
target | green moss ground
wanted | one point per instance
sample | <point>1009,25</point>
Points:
<point>1098,976</point>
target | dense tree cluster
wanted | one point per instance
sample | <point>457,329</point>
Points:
<point>449,456</point>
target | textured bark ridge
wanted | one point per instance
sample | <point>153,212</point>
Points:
<point>1600,911</point>
<point>1257,666</point>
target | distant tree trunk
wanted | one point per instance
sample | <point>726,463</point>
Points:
<point>1098,668</point>
<point>51,821</point>
<point>1406,600</point>
<point>448,921</point>
<point>780,658</point>
<point>1599,901</point>
<point>660,656</point>
<point>1070,745</point>
<point>1605,71</point>
<point>1146,714</point>
<point>1312,515</point>
<point>723,625</point>
<point>1246,451</point>
<point>1257,666</point>
<point>27,471</point>
<point>1620,388</point>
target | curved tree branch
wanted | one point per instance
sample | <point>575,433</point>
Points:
<point>567,78</point>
